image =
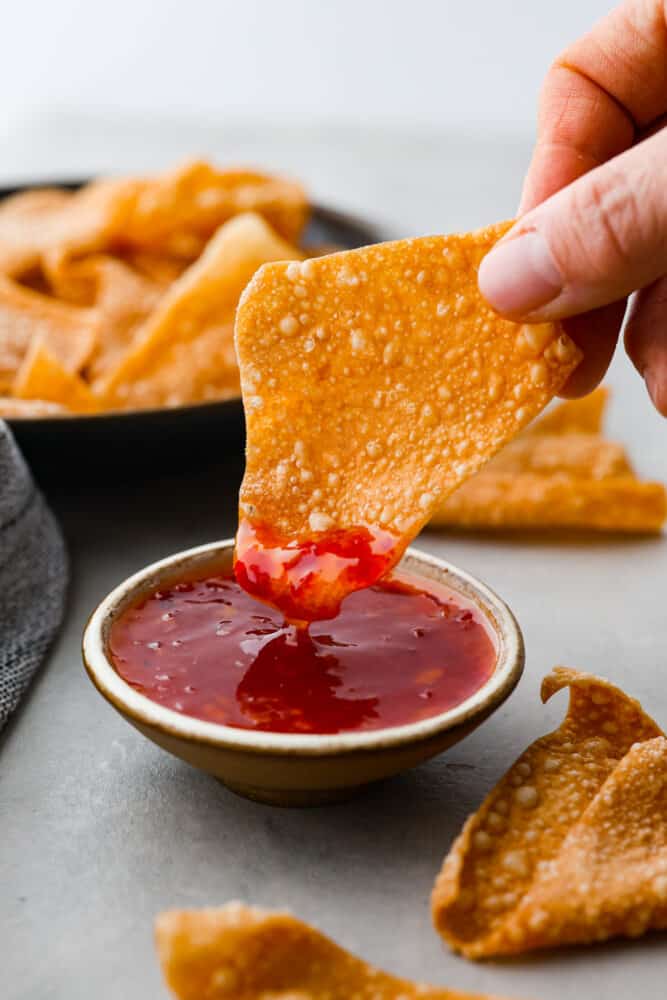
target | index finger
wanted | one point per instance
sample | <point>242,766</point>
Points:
<point>598,96</point>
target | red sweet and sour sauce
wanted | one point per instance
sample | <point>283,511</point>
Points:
<point>393,655</point>
<point>307,579</point>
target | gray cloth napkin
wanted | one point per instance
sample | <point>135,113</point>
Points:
<point>33,576</point>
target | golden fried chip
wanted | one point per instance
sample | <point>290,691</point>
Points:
<point>123,299</point>
<point>185,351</point>
<point>582,416</point>
<point>37,229</point>
<point>501,500</point>
<point>42,376</point>
<point>376,380</point>
<point>179,211</point>
<point>613,862</point>
<point>11,408</point>
<point>580,456</point>
<point>488,899</point>
<point>559,473</point>
<point>69,333</point>
<point>173,214</point>
<point>245,953</point>
<point>158,268</point>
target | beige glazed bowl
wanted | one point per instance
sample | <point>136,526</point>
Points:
<point>294,769</point>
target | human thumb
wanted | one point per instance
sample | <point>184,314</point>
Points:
<point>594,242</point>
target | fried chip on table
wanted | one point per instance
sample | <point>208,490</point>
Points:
<point>562,808</point>
<point>559,473</point>
<point>499,500</point>
<point>580,456</point>
<point>245,953</point>
<point>42,376</point>
<point>185,351</point>
<point>376,380</point>
<point>68,332</point>
<point>581,416</point>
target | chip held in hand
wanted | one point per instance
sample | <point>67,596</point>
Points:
<point>374,382</point>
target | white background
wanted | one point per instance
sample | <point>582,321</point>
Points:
<point>426,62</point>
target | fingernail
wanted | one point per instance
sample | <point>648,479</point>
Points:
<point>519,275</point>
<point>655,385</point>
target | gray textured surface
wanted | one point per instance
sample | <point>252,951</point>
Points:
<point>33,576</point>
<point>99,829</point>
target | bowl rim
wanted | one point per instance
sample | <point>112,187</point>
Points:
<point>151,714</point>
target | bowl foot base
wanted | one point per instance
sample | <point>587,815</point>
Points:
<point>295,798</point>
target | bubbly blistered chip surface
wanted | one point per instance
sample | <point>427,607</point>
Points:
<point>244,953</point>
<point>500,891</point>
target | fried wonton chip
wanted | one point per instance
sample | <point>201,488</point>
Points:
<point>245,953</point>
<point>571,845</point>
<point>11,408</point>
<point>579,416</point>
<point>39,228</point>
<point>376,380</point>
<point>499,500</point>
<point>185,351</point>
<point>174,213</point>
<point>42,376</point>
<point>559,473</point>
<point>68,332</point>
<point>159,268</point>
<point>177,212</point>
<point>123,300</point>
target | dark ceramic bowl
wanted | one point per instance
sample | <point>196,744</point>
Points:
<point>140,438</point>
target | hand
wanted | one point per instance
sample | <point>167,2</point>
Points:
<point>593,225</point>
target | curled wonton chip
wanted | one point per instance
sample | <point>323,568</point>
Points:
<point>571,845</point>
<point>245,953</point>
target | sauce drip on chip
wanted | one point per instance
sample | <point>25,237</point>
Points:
<point>395,654</point>
<point>374,382</point>
<point>307,580</point>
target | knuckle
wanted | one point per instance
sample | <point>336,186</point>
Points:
<point>609,219</point>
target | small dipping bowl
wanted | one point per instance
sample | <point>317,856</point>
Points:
<point>290,769</point>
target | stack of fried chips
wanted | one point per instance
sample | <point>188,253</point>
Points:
<point>122,295</point>
<point>560,472</point>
